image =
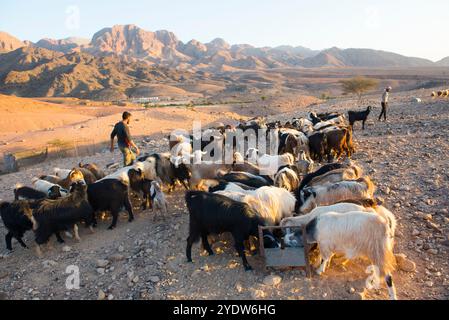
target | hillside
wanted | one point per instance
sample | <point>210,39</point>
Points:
<point>40,72</point>
<point>9,43</point>
<point>443,62</point>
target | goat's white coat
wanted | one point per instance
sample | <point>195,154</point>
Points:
<point>44,186</point>
<point>271,203</point>
<point>329,194</point>
<point>356,234</point>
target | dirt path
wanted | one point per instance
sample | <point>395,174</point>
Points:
<point>407,158</point>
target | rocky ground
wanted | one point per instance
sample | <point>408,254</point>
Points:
<point>407,157</point>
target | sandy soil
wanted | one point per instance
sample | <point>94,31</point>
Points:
<point>407,158</point>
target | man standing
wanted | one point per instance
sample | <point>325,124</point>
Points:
<point>385,97</point>
<point>124,140</point>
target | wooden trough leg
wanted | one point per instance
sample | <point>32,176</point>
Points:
<point>306,254</point>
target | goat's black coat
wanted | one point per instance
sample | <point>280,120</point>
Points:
<point>318,145</point>
<point>249,180</point>
<point>54,216</point>
<point>328,115</point>
<point>110,195</point>
<point>222,184</point>
<point>354,116</point>
<point>16,221</point>
<point>214,214</point>
<point>28,193</point>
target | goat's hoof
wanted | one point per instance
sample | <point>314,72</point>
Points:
<point>189,261</point>
<point>248,268</point>
<point>111,228</point>
<point>211,253</point>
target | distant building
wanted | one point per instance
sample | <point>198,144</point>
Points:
<point>145,100</point>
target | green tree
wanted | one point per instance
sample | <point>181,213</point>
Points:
<point>358,86</point>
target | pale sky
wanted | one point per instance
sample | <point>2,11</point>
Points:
<point>409,27</point>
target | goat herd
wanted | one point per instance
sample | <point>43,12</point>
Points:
<point>333,203</point>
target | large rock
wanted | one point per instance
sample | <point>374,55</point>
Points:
<point>405,264</point>
<point>101,263</point>
<point>272,280</point>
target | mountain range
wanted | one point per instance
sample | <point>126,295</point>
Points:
<point>125,61</point>
<point>164,48</point>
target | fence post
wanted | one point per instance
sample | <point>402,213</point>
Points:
<point>11,163</point>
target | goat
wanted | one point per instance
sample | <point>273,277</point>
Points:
<point>148,167</point>
<point>270,164</point>
<point>222,185</point>
<point>318,145</point>
<point>16,218</point>
<point>355,234</point>
<point>247,179</point>
<point>337,142</point>
<point>75,175</point>
<point>54,216</point>
<point>27,193</point>
<point>354,116</point>
<point>94,168</point>
<point>272,204</point>
<point>323,170</point>
<point>352,172</point>
<point>331,122</point>
<point>158,197</point>
<point>241,165</point>
<point>287,178</point>
<point>110,195</point>
<point>328,194</point>
<point>293,142</point>
<point>215,214</point>
<point>53,191</point>
<point>166,171</point>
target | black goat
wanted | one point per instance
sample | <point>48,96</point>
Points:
<point>28,193</point>
<point>248,179</point>
<point>16,218</point>
<point>110,195</point>
<point>355,116</point>
<point>214,214</point>
<point>54,216</point>
<point>222,185</point>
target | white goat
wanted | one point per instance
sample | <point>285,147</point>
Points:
<point>329,194</point>
<point>148,167</point>
<point>356,234</point>
<point>270,164</point>
<point>159,201</point>
<point>45,186</point>
<point>286,178</point>
<point>271,203</point>
<point>353,172</point>
<point>331,122</point>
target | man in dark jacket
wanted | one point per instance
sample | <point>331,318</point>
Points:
<point>124,140</point>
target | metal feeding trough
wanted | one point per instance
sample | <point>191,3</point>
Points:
<point>285,257</point>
